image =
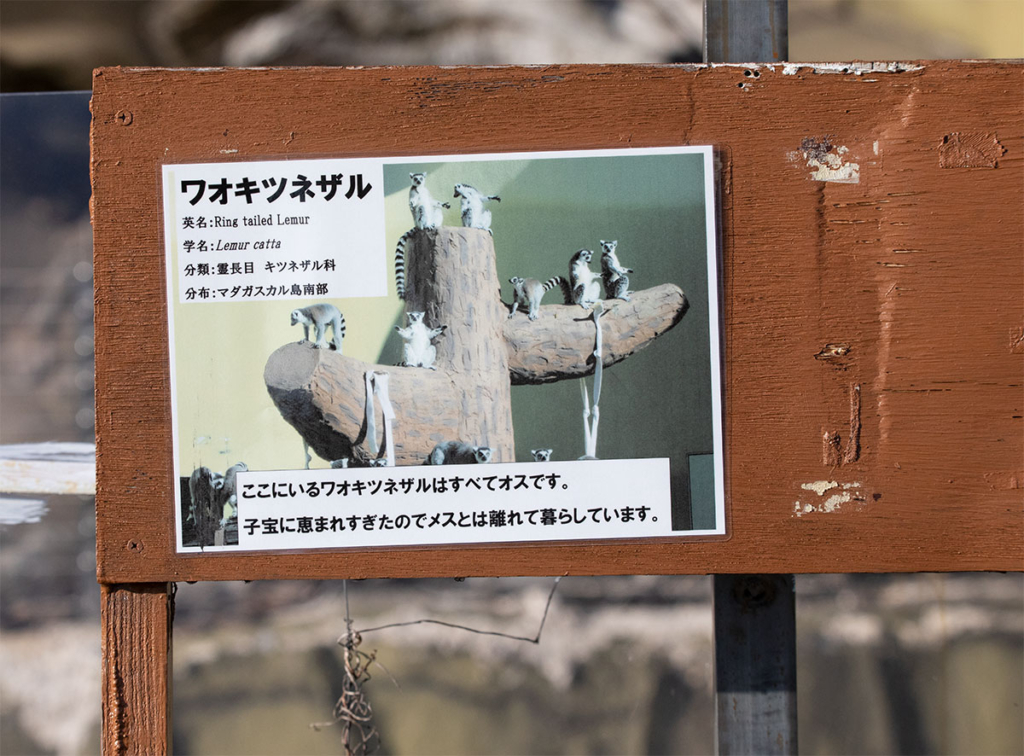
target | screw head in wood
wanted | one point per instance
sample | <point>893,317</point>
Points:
<point>135,546</point>
<point>124,117</point>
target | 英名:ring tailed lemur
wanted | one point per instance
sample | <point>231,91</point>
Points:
<point>418,351</point>
<point>426,213</point>
<point>584,283</point>
<point>541,455</point>
<point>458,453</point>
<point>320,316</point>
<point>616,282</point>
<point>474,215</point>
<point>529,291</point>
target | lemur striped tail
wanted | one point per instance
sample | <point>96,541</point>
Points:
<point>560,281</point>
<point>400,263</point>
<point>339,334</point>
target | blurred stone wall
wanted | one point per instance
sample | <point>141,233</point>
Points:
<point>55,45</point>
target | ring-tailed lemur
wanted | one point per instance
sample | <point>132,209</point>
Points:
<point>227,496</point>
<point>426,213</point>
<point>346,462</point>
<point>201,491</point>
<point>585,285</point>
<point>458,453</point>
<point>541,455</point>
<point>417,350</point>
<point>529,291</point>
<point>474,215</point>
<point>616,282</point>
<point>320,316</point>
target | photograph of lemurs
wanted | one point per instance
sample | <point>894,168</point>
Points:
<point>539,308</point>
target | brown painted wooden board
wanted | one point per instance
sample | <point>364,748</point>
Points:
<point>874,331</point>
<point>136,621</point>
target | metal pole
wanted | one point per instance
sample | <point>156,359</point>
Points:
<point>755,664</point>
<point>755,615</point>
<point>746,31</point>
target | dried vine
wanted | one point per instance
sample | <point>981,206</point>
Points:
<point>353,711</point>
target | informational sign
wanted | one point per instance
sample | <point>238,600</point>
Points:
<point>444,350</point>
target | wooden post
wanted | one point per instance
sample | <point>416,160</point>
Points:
<point>755,615</point>
<point>136,620</point>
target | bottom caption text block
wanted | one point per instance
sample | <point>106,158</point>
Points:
<point>454,504</point>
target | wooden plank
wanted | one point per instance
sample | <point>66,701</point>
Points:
<point>136,621</point>
<point>58,468</point>
<point>872,263</point>
<point>755,664</point>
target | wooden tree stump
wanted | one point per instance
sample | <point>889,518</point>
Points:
<point>451,276</point>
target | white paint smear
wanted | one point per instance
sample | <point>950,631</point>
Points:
<point>832,503</point>
<point>830,166</point>
<point>856,69</point>
<point>820,486</point>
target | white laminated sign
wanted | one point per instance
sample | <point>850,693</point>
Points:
<point>335,325</point>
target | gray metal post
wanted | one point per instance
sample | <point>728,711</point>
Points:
<point>755,664</point>
<point>746,31</point>
<point>755,615</point>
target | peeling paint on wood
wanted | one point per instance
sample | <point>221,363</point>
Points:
<point>832,352</point>
<point>827,162</point>
<point>820,486</point>
<point>831,449</point>
<point>970,150</point>
<point>834,454</point>
<point>1017,340</point>
<point>852,451</point>
<point>849,492</point>
<point>856,68</point>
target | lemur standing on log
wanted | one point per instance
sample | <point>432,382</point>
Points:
<point>426,213</point>
<point>616,282</point>
<point>320,316</point>
<point>474,215</point>
<point>584,283</point>
<point>458,453</point>
<point>418,351</point>
<point>529,291</point>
